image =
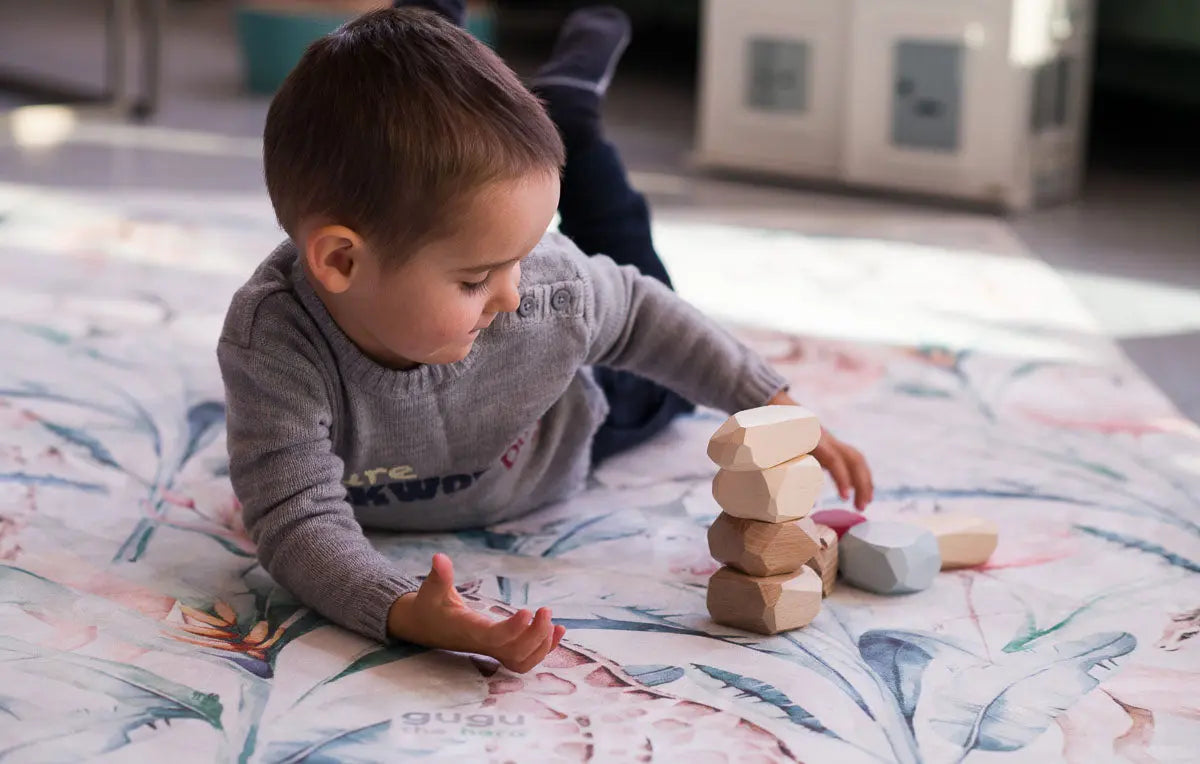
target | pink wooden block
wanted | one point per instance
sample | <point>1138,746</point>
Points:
<point>841,520</point>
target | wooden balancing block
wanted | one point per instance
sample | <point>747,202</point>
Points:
<point>764,605</point>
<point>763,549</point>
<point>841,520</point>
<point>889,558</point>
<point>767,486</point>
<point>757,439</point>
<point>825,562</point>
<point>777,494</point>
<point>964,541</point>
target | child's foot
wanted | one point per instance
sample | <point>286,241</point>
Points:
<point>582,64</point>
<point>455,11</point>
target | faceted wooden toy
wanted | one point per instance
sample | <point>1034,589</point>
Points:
<point>889,558</point>
<point>763,549</point>
<point>963,540</point>
<point>841,520</point>
<point>764,605</point>
<point>776,495</point>
<point>757,439</point>
<point>825,562</point>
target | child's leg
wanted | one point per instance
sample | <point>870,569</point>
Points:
<point>600,211</point>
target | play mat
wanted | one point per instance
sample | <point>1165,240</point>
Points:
<point>135,624</point>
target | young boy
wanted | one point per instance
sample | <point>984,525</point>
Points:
<point>420,354</point>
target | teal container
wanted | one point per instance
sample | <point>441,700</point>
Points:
<point>274,40</point>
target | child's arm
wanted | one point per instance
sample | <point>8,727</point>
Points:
<point>639,325</point>
<point>289,482</point>
<point>845,463</point>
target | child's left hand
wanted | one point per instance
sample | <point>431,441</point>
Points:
<point>845,464</point>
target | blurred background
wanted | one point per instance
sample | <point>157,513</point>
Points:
<point>1069,125</point>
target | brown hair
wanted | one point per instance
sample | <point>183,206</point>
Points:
<point>389,123</point>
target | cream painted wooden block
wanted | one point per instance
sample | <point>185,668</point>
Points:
<point>764,605</point>
<point>776,495</point>
<point>756,439</point>
<point>825,562</point>
<point>964,540</point>
<point>763,549</point>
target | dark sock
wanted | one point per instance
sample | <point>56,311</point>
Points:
<point>573,81</point>
<point>454,11</point>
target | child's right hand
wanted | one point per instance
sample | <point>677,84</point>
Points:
<point>436,616</point>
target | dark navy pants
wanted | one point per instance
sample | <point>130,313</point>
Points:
<point>603,214</point>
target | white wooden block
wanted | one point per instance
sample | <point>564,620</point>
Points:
<point>776,495</point>
<point>764,605</point>
<point>757,439</point>
<point>889,558</point>
<point>964,540</point>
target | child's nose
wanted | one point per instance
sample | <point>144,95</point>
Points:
<point>507,298</point>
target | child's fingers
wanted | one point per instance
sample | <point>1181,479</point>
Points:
<point>840,474</point>
<point>539,652</point>
<point>524,645</point>
<point>864,486</point>
<point>559,631</point>
<point>860,476</point>
<point>441,575</point>
<point>504,632</point>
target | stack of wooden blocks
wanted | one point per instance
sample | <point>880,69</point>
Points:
<point>777,562</point>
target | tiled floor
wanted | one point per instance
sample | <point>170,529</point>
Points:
<point>1130,248</point>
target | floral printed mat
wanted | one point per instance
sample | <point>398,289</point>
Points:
<point>135,624</point>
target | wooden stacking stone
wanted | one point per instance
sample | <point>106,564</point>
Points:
<point>778,494</point>
<point>757,439</point>
<point>764,605</point>
<point>763,549</point>
<point>889,557</point>
<point>825,562</point>
<point>964,540</point>
<point>841,520</point>
<point>767,486</point>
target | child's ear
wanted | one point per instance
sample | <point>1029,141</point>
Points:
<point>335,256</point>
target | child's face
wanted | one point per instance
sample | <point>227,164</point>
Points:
<point>430,309</point>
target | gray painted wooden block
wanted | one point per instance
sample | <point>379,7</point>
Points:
<point>889,558</point>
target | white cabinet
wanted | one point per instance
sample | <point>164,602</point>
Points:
<point>772,85</point>
<point>983,100</point>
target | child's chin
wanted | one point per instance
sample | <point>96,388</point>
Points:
<point>453,355</point>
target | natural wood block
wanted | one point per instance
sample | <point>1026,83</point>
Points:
<point>763,549</point>
<point>889,558</point>
<point>964,540</point>
<point>776,495</point>
<point>825,562</point>
<point>764,605</point>
<point>757,439</point>
<point>841,520</point>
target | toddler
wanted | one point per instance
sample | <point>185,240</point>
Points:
<point>420,354</point>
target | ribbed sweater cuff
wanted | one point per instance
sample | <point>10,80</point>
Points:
<point>759,384</point>
<point>368,614</point>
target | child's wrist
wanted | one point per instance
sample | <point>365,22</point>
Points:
<point>782,399</point>
<point>400,622</point>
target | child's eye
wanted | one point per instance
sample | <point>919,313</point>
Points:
<point>473,287</point>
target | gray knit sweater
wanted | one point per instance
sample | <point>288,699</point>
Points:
<point>324,441</point>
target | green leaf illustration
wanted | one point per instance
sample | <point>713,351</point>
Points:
<point>139,699</point>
